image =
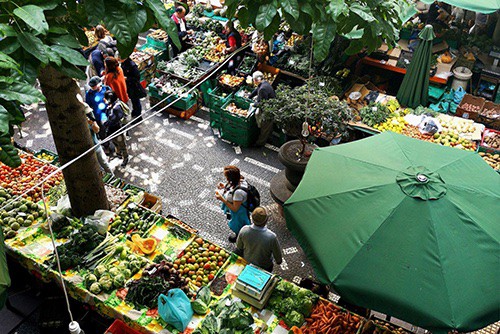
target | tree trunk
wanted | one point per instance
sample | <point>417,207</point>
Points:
<point>72,137</point>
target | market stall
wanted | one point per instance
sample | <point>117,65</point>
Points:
<point>123,269</point>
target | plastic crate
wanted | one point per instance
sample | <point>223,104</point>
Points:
<point>119,327</point>
<point>55,156</point>
<point>269,69</point>
<point>162,53</point>
<point>239,97</point>
<point>217,99</point>
<point>248,55</point>
<point>215,118</point>
<point>238,129</point>
<point>156,42</point>
<point>492,123</point>
<point>478,101</point>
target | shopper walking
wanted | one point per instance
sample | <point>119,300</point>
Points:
<point>257,244</point>
<point>135,90</point>
<point>115,79</point>
<point>233,199</point>
<point>263,91</point>
<point>115,115</point>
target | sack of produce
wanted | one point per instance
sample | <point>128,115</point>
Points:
<point>175,309</point>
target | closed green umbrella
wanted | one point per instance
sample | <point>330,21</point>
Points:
<point>404,227</point>
<point>4,273</point>
<point>414,90</point>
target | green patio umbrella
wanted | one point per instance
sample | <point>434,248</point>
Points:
<point>4,273</point>
<point>414,90</point>
<point>404,227</point>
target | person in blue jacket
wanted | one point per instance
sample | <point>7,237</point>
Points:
<point>95,99</point>
<point>233,200</point>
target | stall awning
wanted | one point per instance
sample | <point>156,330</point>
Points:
<point>482,6</point>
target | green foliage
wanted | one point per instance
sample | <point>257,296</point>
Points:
<point>374,113</point>
<point>378,21</point>
<point>293,106</point>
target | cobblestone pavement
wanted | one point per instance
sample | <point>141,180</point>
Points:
<point>181,161</point>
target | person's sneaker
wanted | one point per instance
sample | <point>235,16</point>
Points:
<point>124,162</point>
<point>232,238</point>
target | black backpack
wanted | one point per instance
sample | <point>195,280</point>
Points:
<point>253,197</point>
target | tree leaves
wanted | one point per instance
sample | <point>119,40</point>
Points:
<point>65,40</point>
<point>34,46</point>
<point>71,56</point>
<point>4,121</point>
<point>164,20</point>
<point>8,62</point>
<point>265,15</point>
<point>323,35</point>
<point>22,93</point>
<point>291,7</point>
<point>71,71</point>
<point>7,31</point>
<point>8,155</point>
<point>272,28</point>
<point>362,12</point>
<point>34,17</point>
<point>95,11</point>
<point>336,7</point>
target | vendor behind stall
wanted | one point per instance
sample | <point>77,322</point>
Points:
<point>180,21</point>
<point>233,42</point>
<point>263,91</point>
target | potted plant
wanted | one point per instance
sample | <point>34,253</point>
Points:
<point>306,110</point>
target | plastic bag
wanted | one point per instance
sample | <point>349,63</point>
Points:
<point>63,205</point>
<point>459,95</point>
<point>101,220</point>
<point>175,308</point>
<point>429,125</point>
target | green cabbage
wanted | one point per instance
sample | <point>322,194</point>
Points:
<point>95,288</point>
<point>199,307</point>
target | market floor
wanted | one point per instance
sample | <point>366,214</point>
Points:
<point>181,161</point>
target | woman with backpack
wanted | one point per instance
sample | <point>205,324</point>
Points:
<point>115,115</point>
<point>234,200</point>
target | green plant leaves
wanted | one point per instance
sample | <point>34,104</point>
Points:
<point>8,155</point>
<point>22,93</point>
<point>71,56</point>
<point>8,62</point>
<point>65,40</point>
<point>164,20</point>
<point>362,12</point>
<point>33,16</point>
<point>4,121</point>
<point>34,46</point>
<point>272,28</point>
<point>95,11</point>
<point>291,7</point>
<point>323,36</point>
<point>71,71</point>
<point>336,7</point>
<point>265,15</point>
<point>7,31</point>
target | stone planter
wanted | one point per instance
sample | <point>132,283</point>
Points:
<point>286,181</point>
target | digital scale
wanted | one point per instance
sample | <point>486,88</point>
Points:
<point>254,286</point>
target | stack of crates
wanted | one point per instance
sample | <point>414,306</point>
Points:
<point>238,129</point>
<point>217,98</point>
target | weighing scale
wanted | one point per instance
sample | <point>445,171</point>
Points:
<point>254,286</point>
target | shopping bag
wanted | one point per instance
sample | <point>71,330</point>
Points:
<point>175,309</point>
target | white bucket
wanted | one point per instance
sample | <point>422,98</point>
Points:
<point>462,76</point>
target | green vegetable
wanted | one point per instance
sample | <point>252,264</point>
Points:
<point>118,281</point>
<point>204,295</point>
<point>374,113</point>
<point>294,318</point>
<point>100,270</point>
<point>199,307</point>
<point>95,288</point>
<point>89,279</point>
<point>106,283</point>
<point>114,271</point>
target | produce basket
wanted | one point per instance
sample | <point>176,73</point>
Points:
<point>51,157</point>
<point>142,59</point>
<point>119,327</point>
<point>492,119</point>
<point>476,102</point>
<point>271,74</point>
<point>488,140</point>
<point>151,202</point>
<point>158,38</point>
<point>248,64</point>
<point>242,94</point>
<point>158,53</point>
<point>490,156</point>
<point>229,84</point>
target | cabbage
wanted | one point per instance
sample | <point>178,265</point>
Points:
<point>95,288</point>
<point>199,307</point>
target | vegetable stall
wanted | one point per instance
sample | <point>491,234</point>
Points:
<point>122,269</point>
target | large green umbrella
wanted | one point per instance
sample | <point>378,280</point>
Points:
<point>4,273</point>
<point>414,90</point>
<point>404,227</point>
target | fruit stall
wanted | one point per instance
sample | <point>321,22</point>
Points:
<point>121,267</point>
